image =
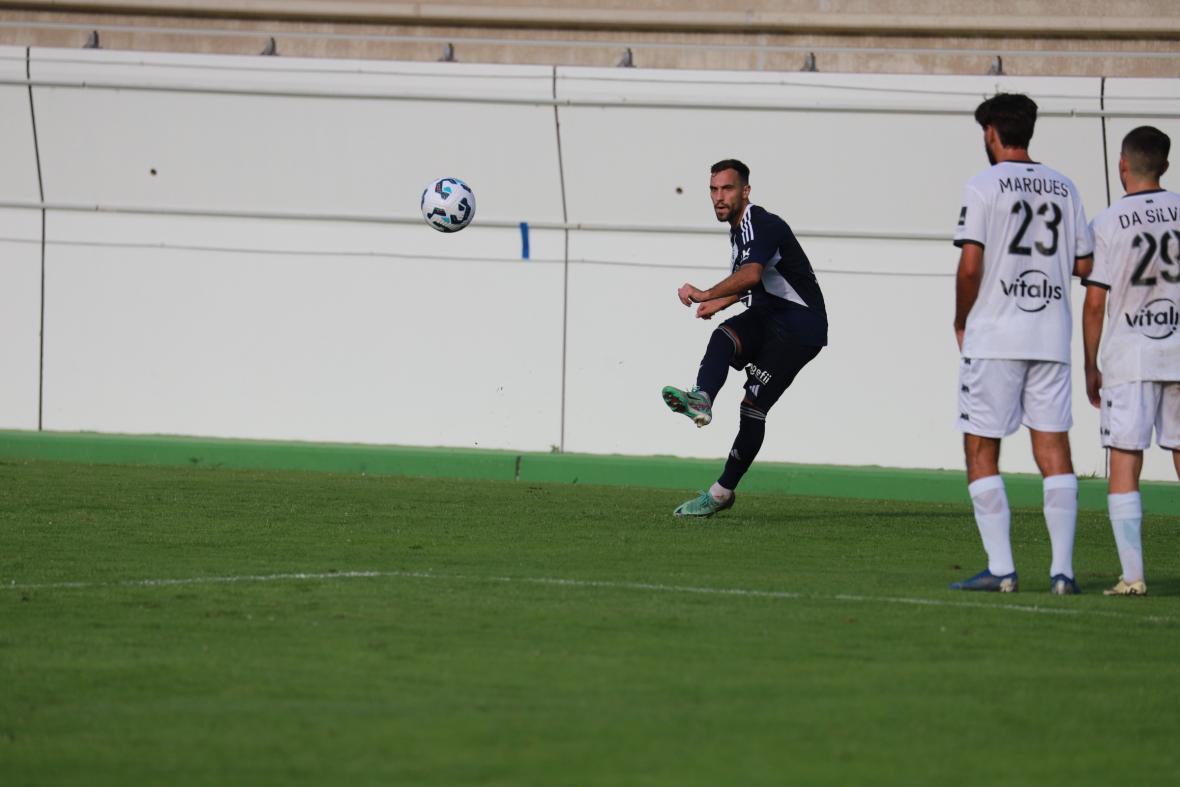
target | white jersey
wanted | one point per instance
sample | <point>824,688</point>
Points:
<point>1137,258</point>
<point>1030,222</point>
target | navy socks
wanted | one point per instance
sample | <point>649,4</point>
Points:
<point>745,447</point>
<point>715,365</point>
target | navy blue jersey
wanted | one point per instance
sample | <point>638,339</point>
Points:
<point>788,287</point>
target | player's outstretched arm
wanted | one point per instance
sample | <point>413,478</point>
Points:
<point>967,282</point>
<point>1093,311</point>
<point>736,283</point>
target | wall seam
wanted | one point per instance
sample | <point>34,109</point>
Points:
<point>565,267</point>
<point>41,194</point>
<point>1105,147</point>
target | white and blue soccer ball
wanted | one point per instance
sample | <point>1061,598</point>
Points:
<point>448,204</point>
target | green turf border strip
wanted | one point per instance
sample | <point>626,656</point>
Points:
<point>868,483</point>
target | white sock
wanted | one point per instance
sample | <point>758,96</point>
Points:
<point>1126,519</point>
<point>1061,517</point>
<point>994,520</point>
<point>720,493</point>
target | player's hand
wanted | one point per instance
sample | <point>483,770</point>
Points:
<point>959,338</point>
<point>688,294</point>
<point>706,310</point>
<point>1094,386</point>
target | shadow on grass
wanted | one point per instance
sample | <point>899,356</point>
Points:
<point>1162,586</point>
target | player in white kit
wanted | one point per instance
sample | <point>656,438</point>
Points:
<point>1136,284</point>
<point>1022,232</point>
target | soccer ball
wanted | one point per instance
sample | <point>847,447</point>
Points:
<point>448,204</point>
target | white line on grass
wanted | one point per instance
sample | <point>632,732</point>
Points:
<point>587,583</point>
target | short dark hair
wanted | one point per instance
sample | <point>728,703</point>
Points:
<point>1146,149</point>
<point>734,164</point>
<point>1012,115</point>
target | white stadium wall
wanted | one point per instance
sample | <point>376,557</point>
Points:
<point>232,247</point>
<point>20,250</point>
<point>364,331</point>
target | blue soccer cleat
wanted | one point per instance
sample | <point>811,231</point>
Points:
<point>986,580</point>
<point>1061,585</point>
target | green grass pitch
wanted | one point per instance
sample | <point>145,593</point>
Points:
<point>207,626</point>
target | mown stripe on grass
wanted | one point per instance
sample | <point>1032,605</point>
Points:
<point>586,583</point>
<point>663,472</point>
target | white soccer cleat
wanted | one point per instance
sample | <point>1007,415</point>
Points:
<point>1125,588</point>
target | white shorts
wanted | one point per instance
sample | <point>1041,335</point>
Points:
<point>1131,410</point>
<point>996,396</point>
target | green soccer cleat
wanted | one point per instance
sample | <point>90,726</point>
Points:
<point>695,404</point>
<point>704,504</point>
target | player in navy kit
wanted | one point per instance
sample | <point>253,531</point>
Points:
<point>783,329</point>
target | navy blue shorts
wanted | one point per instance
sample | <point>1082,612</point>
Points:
<point>768,353</point>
